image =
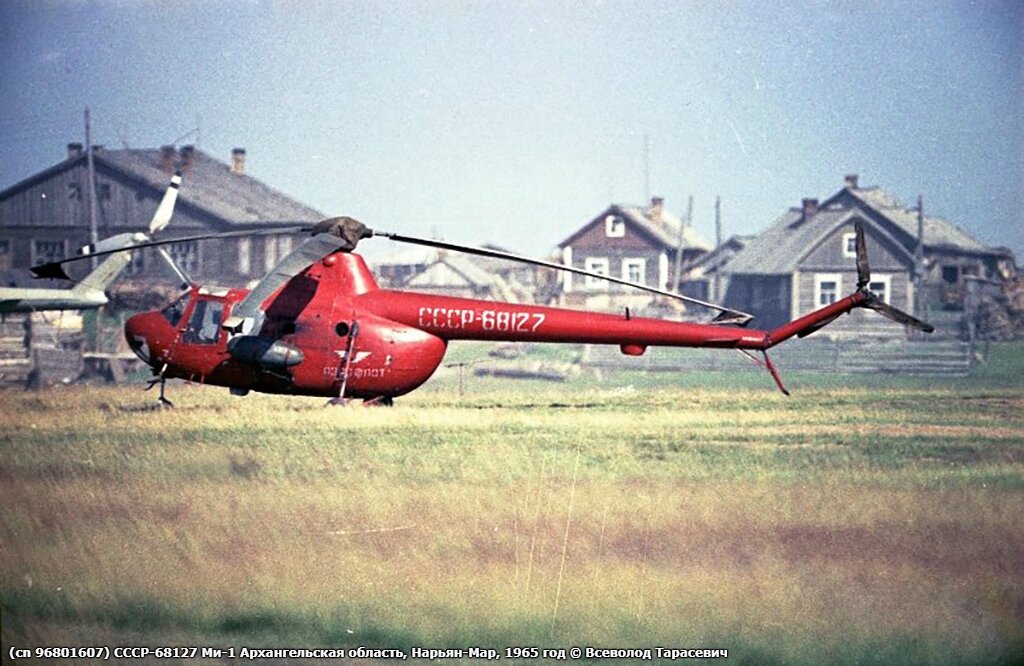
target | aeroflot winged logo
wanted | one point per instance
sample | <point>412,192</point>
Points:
<point>359,355</point>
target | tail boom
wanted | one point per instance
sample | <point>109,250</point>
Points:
<point>814,320</point>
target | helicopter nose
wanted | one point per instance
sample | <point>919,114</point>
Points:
<point>134,333</point>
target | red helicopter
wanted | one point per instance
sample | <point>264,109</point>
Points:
<point>318,325</point>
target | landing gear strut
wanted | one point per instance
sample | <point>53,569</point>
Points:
<point>162,401</point>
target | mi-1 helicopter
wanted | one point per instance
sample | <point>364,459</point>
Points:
<point>318,325</point>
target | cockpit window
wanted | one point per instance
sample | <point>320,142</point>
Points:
<point>204,325</point>
<point>173,312</point>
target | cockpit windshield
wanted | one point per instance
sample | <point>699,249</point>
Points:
<point>174,312</point>
<point>204,324</point>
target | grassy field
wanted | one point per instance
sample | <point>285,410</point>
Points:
<point>863,520</point>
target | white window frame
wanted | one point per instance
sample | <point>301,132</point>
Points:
<point>886,282</point>
<point>244,255</point>
<point>822,278</point>
<point>614,226</point>
<point>186,255</point>
<point>284,246</point>
<point>638,262</point>
<point>269,253</point>
<point>596,265</point>
<point>566,275</point>
<point>850,245</point>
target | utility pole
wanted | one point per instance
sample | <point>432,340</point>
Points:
<point>683,224</point>
<point>647,168</point>
<point>717,296</point>
<point>919,260</point>
<point>91,184</point>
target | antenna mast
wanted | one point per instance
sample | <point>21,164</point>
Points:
<point>91,184</point>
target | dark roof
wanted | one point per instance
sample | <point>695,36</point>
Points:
<point>208,185</point>
<point>938,232</point>
<point>716,259</point>
<point>783,245</point>
<point>666,231</point>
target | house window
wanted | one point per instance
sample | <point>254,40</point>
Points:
<point>614,227</point>
<point>284,246</point>
<point>45,251</point>
<point>596,265</point>
<point>881,286</point>
<point>244,255</point>
<point>635,270</point>
<point>103,191</point>
<point>137,263</point>
<point>186,255</point>
<point>269,253</point>
<point>827,287</point>
<point>850,245</point>
<point>75,191</point>
<point>951,274</point>
<point>5,254</point>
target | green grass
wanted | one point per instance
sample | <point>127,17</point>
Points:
<point>855,522</point>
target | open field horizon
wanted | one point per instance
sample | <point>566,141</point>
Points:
<point>850,523</point>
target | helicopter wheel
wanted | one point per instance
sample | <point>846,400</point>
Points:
<point>380,401</point>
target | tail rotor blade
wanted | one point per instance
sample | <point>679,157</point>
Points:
<point>886,310</point>
<point>863,270</point>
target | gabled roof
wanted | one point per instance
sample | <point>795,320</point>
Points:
<point>938,232</point>
<point>464,268</point>
<point>782,246</point>
<point>666,231</point>
<point>716,259</point>
<point>208,185</point>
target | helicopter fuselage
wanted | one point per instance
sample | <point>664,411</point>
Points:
<point>331,330</point>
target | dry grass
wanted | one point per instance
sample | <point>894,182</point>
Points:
<point>842,526</point>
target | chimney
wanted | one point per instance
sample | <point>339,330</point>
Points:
<point>188,158</point>
<point>238,161</point>
<point>74,150</point>
<point>657,207</point>
<point>851,181</point>
<point>810,208</point>
<point>167,159</point>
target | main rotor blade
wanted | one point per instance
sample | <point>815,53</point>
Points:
<point>49,269</point>
<point>163,213</point>
<point>863,270</point>
<point>496,254</point>
<point>886,310</point>
<point>178,270</point>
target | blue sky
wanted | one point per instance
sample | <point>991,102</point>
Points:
<point>514,123</point>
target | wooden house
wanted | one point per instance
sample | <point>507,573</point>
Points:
<point>634,243</point>
<point>806,259</point>
<point>455,274</point>
<point>705,278</point>
<point>47,215</point>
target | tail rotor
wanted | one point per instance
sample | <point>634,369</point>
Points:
<point>872,301</point>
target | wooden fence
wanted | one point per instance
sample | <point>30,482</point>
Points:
<point>906,357</point>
